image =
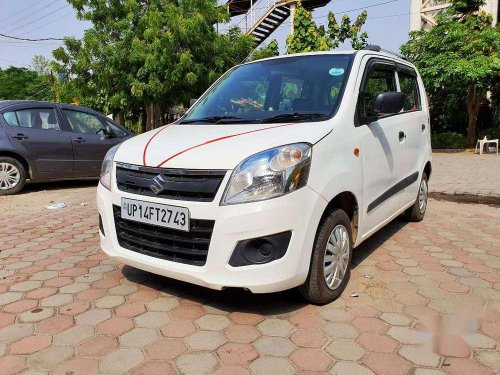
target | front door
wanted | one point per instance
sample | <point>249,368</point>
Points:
<point>384,149</point>
<point>89,141</point>
<point>36,132</point>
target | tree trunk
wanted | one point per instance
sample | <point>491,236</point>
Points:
<point>144,120</point>
<point>474,99</point>
<point>157,116</point>
<point>120,118</point>
<point>149,117</point>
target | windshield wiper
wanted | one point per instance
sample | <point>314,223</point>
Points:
<point>211,119</point>
<point>297,116</point>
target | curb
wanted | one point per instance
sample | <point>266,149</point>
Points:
<point>466,198</point>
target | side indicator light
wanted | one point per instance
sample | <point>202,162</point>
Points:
<point>356,152</point>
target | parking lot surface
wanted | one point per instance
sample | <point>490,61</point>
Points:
<point>424,299</point>
<point>466,173</point>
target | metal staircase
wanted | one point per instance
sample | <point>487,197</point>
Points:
<point>262,17</point>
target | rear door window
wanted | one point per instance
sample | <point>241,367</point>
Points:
<point>409,85</point>
<point>34,118</point>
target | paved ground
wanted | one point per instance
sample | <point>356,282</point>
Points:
<point>466,173</point>
<point>428,302</point>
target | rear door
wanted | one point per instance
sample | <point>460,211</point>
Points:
<point>384,147</point>
<point>36,132</point>
<point>90,144</point>
<point>417,127</point>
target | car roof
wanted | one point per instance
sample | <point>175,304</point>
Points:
<point>387,55</point>
<point>33,103</point>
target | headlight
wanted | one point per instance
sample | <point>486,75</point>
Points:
<point>269,174</point>
<point>107,167</point>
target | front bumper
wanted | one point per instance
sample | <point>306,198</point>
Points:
<point>299,212</point>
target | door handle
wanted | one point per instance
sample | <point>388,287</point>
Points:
<point>402,136</point>
<point>79,140</point>
<point>423,127</point>
<point>20,136</point>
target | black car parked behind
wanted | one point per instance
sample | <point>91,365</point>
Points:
<point>42,141</point>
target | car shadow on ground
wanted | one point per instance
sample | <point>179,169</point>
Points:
<point>57,185</point>
<point>236,299</point>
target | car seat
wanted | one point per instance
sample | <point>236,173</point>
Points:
<point>36,122</point>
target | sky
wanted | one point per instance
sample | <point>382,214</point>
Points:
<point>387,25</point>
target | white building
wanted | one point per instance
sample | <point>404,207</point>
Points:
<point>423,12</point>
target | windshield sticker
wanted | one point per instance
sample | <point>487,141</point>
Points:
<point>336,72</point>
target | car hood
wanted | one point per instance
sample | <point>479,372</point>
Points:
<point>213,146</point>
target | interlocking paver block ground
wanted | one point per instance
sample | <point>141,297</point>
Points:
<point>466,173</point>
<point>430,303</point>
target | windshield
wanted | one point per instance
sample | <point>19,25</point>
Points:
<point>301,88</point>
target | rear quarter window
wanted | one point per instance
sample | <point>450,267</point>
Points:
<point>10,118</point>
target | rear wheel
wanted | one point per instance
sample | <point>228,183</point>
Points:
<point>12,176</point>
<point>417,212</point>
<point>331,260</point>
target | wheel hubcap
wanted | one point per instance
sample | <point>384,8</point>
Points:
<point>336,256</point>
<point>9,176</point>
<point>422,196</point>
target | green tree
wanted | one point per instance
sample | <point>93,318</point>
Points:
<point>147,56</point>
<point>307,36</point>
<point>23,84</point>
<point>458,56</point>
<point>41,65</point>
<point>271,50</point>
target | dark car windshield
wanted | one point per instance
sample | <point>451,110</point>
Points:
<point>298,88</point>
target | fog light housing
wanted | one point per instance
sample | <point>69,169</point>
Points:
<point>260,250</point>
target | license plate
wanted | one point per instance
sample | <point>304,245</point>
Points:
<point>162,215</point>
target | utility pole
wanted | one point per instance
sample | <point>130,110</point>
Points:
<point>52,80</point>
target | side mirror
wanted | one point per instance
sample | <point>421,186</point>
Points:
<point>389,103</point>
<point>108,132</point>
<point>191,102</point>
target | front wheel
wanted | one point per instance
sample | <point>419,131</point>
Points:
<point>417,212</point>
<point>331,260</point>
<point>12,176</point>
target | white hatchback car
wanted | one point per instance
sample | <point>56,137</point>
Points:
<point>274,175</point>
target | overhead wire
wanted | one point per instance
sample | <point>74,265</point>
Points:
<point>49,23</point>
<point>19,12</point>
<point>43,16</point>
<point>30,14</point>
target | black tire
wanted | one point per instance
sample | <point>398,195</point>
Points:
<point>315,288</point>
<point>6,161</point>
<point>415,213</point>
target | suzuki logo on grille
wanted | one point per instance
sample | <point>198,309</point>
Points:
<point>158,185</point>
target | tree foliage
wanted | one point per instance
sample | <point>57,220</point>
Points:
<point>271,50</point>
<point>41,65</point>
<point>458,59</point>
<point>24,84</point>
<point>146,56</point>
<point>307,36</point>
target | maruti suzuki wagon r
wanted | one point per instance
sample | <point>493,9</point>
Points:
<point>274,175</point>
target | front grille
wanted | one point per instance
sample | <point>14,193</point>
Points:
<point>180,184</point>
<point>165,243</point>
